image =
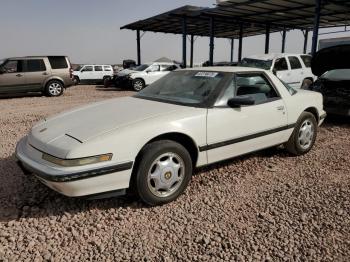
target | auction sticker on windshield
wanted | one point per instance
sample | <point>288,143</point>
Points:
<point>206,74</point>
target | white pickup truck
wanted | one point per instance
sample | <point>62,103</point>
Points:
<point>293,69</point>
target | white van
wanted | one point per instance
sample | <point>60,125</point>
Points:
<point>92,73</point>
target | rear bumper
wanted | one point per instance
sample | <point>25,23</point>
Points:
<point>73,182</point>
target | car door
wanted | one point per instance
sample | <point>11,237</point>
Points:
<point>153,73</point>
<point>297,73</point>
<point>12,77</point>
<point>36,74</point>
<point>236,131</point>
<point>87,73</point>
<point>98,72</point>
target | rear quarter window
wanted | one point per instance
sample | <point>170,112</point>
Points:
<point>294,62</point>
<point>306,59</point>
<point>58,62</point>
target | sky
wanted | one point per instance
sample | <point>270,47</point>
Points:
<point>88,31</point>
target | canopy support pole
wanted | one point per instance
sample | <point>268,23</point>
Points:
<point>284,35</point>
<point>184,42</point>
<point>211,44</point>
<point>192,43</point>
<point>306,36</point>
<point>138,40</point>
<point>240,42</point>
<point>316,26</point>
<point>267,39</point>
<point>232,49</point>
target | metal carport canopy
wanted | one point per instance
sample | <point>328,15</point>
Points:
<point>241,18</point>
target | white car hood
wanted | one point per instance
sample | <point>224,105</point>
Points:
<point>125,72</point>
<point>59,134</point>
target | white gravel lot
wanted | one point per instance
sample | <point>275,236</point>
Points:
<point>267,206</point>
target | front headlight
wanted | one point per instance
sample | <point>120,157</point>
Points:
<point>77,161</point>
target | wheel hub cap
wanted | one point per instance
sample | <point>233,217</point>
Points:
<point>166,174</point>
<point>306,134</point>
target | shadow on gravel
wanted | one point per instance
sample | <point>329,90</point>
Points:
<point>266,153</point>
<point>335,120</point>
<point>111,88</point>
<point>26,197</point>
<point>23,196</point>
<point>20,95</point>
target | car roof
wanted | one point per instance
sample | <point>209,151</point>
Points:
<point>30,57</point>
<point>272,56</point>
<point>229,69</point>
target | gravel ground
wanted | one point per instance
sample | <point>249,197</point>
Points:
<point>266,206</point>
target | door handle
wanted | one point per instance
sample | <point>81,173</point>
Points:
<point>45,74</point>
<point>19,75</point>
<point>280,108</point>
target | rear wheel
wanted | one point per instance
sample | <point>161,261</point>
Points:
<point>138,84</point>
<point>304,135</point>
<point>164,172</point>
<point>54,88</point>
<point>106,81</point>
<point>76,80</point>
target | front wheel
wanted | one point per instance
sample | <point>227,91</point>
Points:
<point>138,84</point>
<point>164,172</point>
<point>54,88</point>
<point>304,135</point>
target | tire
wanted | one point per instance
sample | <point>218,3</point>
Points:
<point>304,135</point>
<point>306,84</point>
<point>54,88</point>
<point>106,81</point>
<point>163,173</point>
<point>138,84</point>
<point>76,80</point>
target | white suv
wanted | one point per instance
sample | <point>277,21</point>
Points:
<point>293,69</point>
<point>143,75</point>
<point>92,73</point>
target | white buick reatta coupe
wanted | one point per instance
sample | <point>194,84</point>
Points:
<point>152,141</point>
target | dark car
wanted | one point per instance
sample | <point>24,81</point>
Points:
<point>332,66</point>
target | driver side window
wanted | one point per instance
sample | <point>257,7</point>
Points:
<point>13,66</point>
<point>254,85</point>
<point>257,87</point>
<point>154,68</point>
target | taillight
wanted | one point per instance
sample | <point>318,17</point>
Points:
<point>71,73</point>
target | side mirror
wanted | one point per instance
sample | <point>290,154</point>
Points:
<point>274,71</point>
<point>237,102</point>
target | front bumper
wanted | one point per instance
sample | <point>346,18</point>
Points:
<point>122,81</point>
<point>73,181</point>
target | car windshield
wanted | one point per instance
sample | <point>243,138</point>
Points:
<point>337,75</point>
<point>141,67</point>
<point>183,87</point>
<point>258,63</point>
<point>290,89</point>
